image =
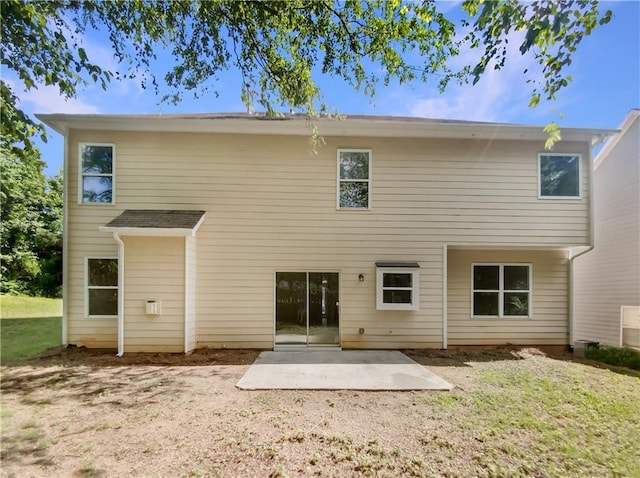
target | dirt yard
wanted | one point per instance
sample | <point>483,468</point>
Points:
<point>514,412</point>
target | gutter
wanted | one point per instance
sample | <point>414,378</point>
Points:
<point>120,242</point>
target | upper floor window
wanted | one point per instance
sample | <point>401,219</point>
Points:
<point>101,275</point>
<point>501,290</point>
<point>97,166</point>
<point>559,176</point>
<point>354,178</point>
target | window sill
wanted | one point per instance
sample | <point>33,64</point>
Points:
<point>396,307</point>
<point>562,198</point>
<point>504,317</point>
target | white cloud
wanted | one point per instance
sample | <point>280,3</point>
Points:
<point>91,98</point>
<point>491,99</point>
<point>47,99</point>
<point>500,95</point>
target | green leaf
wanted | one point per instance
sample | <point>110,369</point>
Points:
<point>281,49</point>
<point>535,99</point>
<point>553,132</point>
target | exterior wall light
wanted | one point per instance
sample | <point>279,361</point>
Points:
<point>361,277</point>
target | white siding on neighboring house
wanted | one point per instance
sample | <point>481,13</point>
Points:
<point>549,300</point>
<point>609,276</point>
<point>271,206</point>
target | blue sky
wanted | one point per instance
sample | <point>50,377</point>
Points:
<point>605,70</point>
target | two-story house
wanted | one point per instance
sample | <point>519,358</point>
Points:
<point>230,230</point>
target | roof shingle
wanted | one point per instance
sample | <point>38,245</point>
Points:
<point>158,219</point>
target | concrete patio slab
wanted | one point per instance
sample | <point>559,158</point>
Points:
<point>339,370</point>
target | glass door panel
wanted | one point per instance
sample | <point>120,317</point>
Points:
<point>291,308</point>
<point>307,308</point>
<point>324,308</point>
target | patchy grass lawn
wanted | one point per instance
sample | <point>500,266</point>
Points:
<point>514,412</point>
<point>24,307</point>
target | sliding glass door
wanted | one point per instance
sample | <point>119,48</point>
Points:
<point>307,308</point>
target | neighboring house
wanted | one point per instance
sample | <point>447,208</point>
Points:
<point>187,231</point>
<point>607,279</point>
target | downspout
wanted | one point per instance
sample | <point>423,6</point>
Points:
<point>592,232</point>
<point>120,242</point>
<point>186,294</point>
<point>445,293</point>
<point>65,230</point>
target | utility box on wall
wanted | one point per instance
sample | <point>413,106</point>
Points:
<point>153,307</point>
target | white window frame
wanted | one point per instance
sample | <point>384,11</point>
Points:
<point>577,155</point>
<point>87,287</point>
<point>340,180</point>
<point>415,288</point>
<point>82,175</point>
<point>501,290</point>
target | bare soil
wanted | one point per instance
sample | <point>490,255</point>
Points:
<point>87,413</point>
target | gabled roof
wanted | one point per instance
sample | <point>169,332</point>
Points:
<point>145,222</point>
<point>300,125</point>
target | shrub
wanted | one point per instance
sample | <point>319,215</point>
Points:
<point>618,356</point>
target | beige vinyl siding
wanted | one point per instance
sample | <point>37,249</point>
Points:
<point>271,206</point>
<point>548,308</point>
<point>609,276</point>
<point>154,270</point>
<point>86,241</point>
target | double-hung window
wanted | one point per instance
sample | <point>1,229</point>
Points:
<point>559,176</point>
<point>501,290</point>
<point>101,275</point>
<point>354,179</point>
<point>97,166</point>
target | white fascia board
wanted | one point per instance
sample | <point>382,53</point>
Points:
<point>150,231</point>
<point>197,226</point>
<point>365,126</point>
<point>506,247</point>
<point>612,142</point>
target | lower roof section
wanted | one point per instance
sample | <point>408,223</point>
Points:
<point>152,222</point>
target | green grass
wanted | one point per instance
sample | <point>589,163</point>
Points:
<point>22,338</point>
<point>29,326</point>
<point>617,356</point>
<point>556,421</point>
<point>23,307</point>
